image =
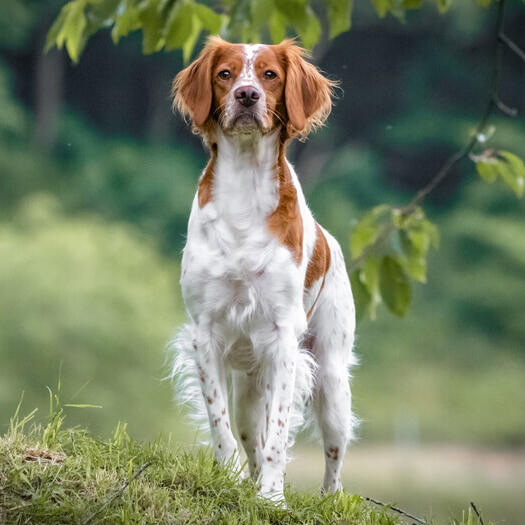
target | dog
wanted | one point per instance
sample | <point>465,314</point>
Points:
<point>271,313</point>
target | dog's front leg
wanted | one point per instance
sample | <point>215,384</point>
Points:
<point>212,375</point>
<point>277,379</point>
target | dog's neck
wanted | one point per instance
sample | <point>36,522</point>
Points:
<point>244,173</point>
<point>245,151</point>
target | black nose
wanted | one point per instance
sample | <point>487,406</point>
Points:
<point>246,95</point>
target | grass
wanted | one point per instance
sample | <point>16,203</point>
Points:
<point>50,474</point>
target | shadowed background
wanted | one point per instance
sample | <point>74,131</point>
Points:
<point>96,182</point>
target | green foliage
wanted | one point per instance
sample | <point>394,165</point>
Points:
<point>503,164</point>
<point>168,24</point>
<point>95,297</point>
<point>387,261</point>
<point>51,475</point>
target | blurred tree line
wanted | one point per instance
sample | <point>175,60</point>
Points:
<point>97,178</point>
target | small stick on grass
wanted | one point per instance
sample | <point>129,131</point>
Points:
<point>478,514</point>
<point>396,509</point>
<point>118,493</point>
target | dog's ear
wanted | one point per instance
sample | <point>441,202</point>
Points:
<point>192,88</point>
<point>308,94</point>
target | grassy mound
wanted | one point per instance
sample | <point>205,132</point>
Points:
<point>50,474</point>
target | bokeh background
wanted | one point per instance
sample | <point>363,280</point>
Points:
<point>96,181</point>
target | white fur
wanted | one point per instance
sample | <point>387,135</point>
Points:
<point>247,309</point>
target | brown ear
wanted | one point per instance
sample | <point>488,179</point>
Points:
<point>308,94</point>
<point>192,89</point>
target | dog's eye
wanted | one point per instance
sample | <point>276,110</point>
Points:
<point>224,74</point>
<point>270,75</point>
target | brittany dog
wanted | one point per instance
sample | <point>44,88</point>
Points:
<point>271,313</point>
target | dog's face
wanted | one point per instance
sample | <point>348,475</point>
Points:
<point>253,89</point>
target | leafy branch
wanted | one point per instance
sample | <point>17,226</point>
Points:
<point>178,24</point>
<point>380,272</point>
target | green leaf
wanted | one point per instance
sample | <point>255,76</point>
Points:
<point>151,27</point>
<point>415,246</point>
<point>511,177</point>
<point>277,26</point>
<point>368,228</point>
<point>54,31</point>
<point>189,45</point>
<point>178,26</point>
<point>301,16</point>
<point>394,286</point>
<point>260,13</point>
<point>382,7</point>
<point>487,170</point>
<point>369,276</point>
<point>484,3</point>
<point>411,4</point>
<point>127,20</point>
<point>310,30</point>
<point>361,295</point>
<point>72,31</point>
<point>362,236</point>
<point>210,19</point>
<point>339,13</point>
<point>443,5</point>
<point>516,163</point>
<point>102,13</point>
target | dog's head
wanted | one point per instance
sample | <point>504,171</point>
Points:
<point>253,89</point>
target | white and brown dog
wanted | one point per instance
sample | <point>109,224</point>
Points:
<point>270,306</point>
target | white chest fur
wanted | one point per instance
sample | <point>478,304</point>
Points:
<point>233,269</point>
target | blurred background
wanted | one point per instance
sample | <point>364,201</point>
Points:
<point>96,181</point>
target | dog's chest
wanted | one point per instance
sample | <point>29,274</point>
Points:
<point>233,267</point>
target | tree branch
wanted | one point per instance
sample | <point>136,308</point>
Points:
<point>118,493</point>
<point>396,509</point>
<point>478,514</point>
<point>512,46</point>
<point>492,103</point>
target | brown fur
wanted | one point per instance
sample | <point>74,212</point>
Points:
<point>206,181</point>
<point>285,222</point>
<point>318,265</point>
<point>320,261</point>
<point>308,94</point>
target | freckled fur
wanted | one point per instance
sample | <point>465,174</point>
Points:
<point>271,315</point>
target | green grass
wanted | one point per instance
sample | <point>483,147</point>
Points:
<point>52,474</point>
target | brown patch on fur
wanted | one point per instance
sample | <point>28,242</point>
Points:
<point>320,261</point>
<point>206,181</point>
<point>318,265</point>
<point>286,222</point>
<point>333,453</point>
<point>196,89</point>
<point>308,94</point>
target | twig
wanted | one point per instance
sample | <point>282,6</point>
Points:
<point>477,512</point>
<point>512,46</point>
<point>511,112</point>
<point>493,102</point>
<point>118,493</point>
<point>396,509</point>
